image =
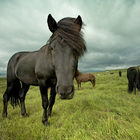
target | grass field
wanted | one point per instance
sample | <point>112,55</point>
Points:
<point>108,112</point>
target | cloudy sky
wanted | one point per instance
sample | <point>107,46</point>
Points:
<point>112,31</point>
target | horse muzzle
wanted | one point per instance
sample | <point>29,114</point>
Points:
<point>65,92</point>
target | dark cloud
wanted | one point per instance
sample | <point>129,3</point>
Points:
<point>112,32</point>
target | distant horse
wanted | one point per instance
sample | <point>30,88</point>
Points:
<point>111,72</point>
<point>120,73</point>
<point>84,78</point>
<point>133,76</point>
<point>54,65</point>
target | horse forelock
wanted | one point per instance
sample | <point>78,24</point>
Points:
<point>69,32</point>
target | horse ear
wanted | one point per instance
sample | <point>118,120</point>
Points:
<point>52,23</point>
<point>78,21</point>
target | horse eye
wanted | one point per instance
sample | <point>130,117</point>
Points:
<point>51,48</point>
<point>62,40</point>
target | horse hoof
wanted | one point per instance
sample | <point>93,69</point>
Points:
<point>25,115</point>
<point>4,115</point>
<point>49,115</point>
<point>46,123</point>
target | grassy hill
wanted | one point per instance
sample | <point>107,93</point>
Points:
<point>108,112</point>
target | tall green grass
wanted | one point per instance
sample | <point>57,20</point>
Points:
<point>108,112</point>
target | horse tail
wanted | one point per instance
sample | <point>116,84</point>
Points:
<point>15,94</point>
<point>12,91</point>
<point>13,83</point>
<point>92,78</point>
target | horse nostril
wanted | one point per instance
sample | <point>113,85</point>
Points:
<point>65,92</point>
<point>62,94</point>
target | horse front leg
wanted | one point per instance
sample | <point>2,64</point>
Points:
<point>51,100</point>
<point>44,95</point>
<point>80,85</point>
<point>22,95</point>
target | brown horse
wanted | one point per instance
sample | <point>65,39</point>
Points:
<point>80,77</point>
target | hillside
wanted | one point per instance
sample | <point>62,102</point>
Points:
<point>105,113</point>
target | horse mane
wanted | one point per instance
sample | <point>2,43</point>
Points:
<point>69,32</point>
<point>43,47</point>
<point>78,72</point>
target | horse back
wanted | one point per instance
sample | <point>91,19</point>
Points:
<point>29,66</point>
<point>12,63</point>
<point>132,73</point>
<point>85,77</point>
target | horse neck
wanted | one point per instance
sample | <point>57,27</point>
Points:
<point>79,73</point>
<point>46,50</point>
<point>46,55</point>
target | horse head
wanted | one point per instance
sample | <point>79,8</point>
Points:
<point>66,46</point>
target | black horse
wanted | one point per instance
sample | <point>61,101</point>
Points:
<point>120,73</point>
<point>133,76</point>
<point>54,65</point>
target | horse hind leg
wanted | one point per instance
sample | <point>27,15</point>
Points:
<point>93,84</point>
<point>80,85</point>
<point>6,98</point>
<point>12,92</point>
<point>22,95</point>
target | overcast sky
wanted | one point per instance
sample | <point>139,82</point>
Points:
<point>112,31</point>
